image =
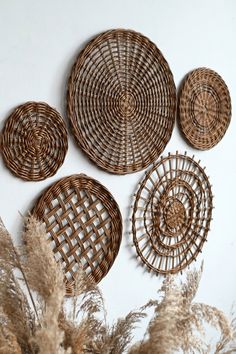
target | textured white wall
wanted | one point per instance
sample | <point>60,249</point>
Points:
<point>39,41</point>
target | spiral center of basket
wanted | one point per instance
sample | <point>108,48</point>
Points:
<point>37,139</point>
<point>205,109</point>
<point>127,105</point>
<point>174,214</point>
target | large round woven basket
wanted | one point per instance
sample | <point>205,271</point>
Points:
<point>34,141</point>
<point>172,214</point>
<point>204,108</point>
<point>121,101</point>
<point>84,225</point>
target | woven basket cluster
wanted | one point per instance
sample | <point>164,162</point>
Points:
<point>204,108</point>
<point>84,225</point>
<point>121,101</point>
<point>171,214</point>
<point>34,141</point>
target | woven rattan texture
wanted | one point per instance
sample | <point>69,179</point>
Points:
<point>84,225</point>
<point>34,141</point>
<point>171,214</point>
<point>204,108</point>
<point>121,101</point>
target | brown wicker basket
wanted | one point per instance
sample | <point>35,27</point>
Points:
<point>34,141</point>
<point>204,108</point>
<point>84,225</point>
<point>121,101</point>
<point>171,214</point>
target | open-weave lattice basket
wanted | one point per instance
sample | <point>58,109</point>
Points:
<point>204,108</point>
<point>83,223</point>
<point>171,214</point>
<point>34,141</point>
<point>121,101</point>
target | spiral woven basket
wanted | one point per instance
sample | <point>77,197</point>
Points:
<point>34,141</point>
<point>121,101</point>
<point>84,225</point>
<point>171,214</point>
<point>204,108</point>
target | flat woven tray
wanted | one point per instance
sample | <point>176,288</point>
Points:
<point>204,108</point>
<point>171,214</point>
<point>84,225</point>
<point>34,141</point>
<point>121,101</point>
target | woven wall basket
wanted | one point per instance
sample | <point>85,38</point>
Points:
<point>204,108</point>
<point>34,141</point>
<point>171,214</point>
<point>84,225</point>
<point>121,101</point>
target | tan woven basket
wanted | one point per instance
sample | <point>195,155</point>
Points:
<point>204,108</point>
<point>84,225</point>
<point>171,214</point>
<point>34,141</point>
<point>121,101</point>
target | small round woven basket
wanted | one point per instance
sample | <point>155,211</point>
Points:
<point>204,108</point>
<point>172,214</point>
<point>84,225</point>
<point>34,141</point>
<point>121,101</point>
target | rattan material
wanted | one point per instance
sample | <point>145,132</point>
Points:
<point>84,225</point>
<point>34,141</point>
<point>121,101</point>
<point>171,214</point>
<point>204,108</point>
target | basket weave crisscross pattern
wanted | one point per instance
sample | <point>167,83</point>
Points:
<point>121,101</point>
<point>84,225</point>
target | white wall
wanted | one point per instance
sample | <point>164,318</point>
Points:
<point>39,41</point>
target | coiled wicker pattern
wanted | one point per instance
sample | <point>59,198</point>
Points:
<point>121,101</point>
<point>34,141</point>
<point>84,225</point>
<point>204,108</point>
<point>172,213</point>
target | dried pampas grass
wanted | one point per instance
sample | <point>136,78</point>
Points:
<point>39,260</point>
<point>45,277</point>
<point>178,324</point>
<point>37,318</point>
<point>8,342</point>
<point>33,315</point>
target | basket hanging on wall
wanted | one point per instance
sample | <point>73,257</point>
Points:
<point>34,141</point>
<point>204,108</point>
<point>121,101</point>
<point>84,225</point>
<point>172,213</point>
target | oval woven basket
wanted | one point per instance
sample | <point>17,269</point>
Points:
<point>83,223</point>
<point>204,108</point>
<point>34,141</point>
<point>121,101</point>
<point>172,214</point>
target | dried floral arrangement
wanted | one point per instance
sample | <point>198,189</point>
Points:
<point>34,316</point>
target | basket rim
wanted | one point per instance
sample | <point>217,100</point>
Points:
<point>183,86</point>
<point>76,132</point>
<point>116,239</point>
<point>8,122</point>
